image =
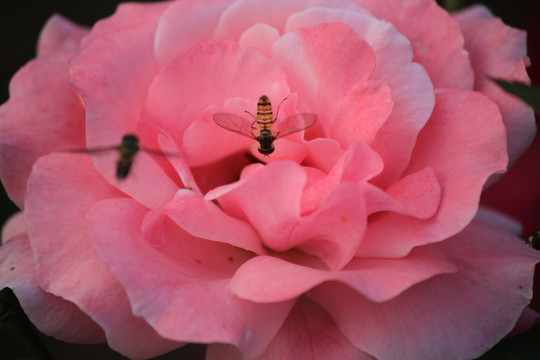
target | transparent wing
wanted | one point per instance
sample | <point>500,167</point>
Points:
<point>235,123</point>
<point>91,150</point>
<point>160,153</point>
<point>292,124</point>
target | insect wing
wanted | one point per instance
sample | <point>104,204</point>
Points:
<point>292,124</point>
<point>235,123</point>
<point>160,153</point>
<point>94,150</point>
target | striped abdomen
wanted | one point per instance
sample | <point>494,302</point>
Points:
<point>265,118</point>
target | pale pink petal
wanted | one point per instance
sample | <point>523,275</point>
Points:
<point>310,333</point>
<point>204,219</point>
<point>205,142</point>
<point>464,143</point>
<point>320,69</point>
<point>361,113</point>
<point>223,171</point>
<point>182,290</point>
<point>184,24</point>
<point>36,121</point>
<point>391,48</point>
<point>412,97</point>
<point>68,264</point>
<point>435,37</point>
<point>323,153</point>
<point>178,162</point>
<point>52,315</point>
<point>446,316</point>
<point>127,15</point>
<point>498,51</point>
<point>358,165</point>
<point>269,279</point>
<point>260,37</point>
<point>412,94</point>
<point>113,86</point>
<point>492,45</point>
<point>234,22</point>
<point>112,75</point>
<point>13,226</point>
<point>60,35</point>
<point>180,93</point>
<point>416,194</point>
<point>335,230</point>
<point>147,182</point>
<point>265,210</point>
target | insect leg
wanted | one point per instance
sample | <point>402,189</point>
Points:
<point>277,111</point>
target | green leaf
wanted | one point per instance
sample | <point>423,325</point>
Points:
<point>529,94</point>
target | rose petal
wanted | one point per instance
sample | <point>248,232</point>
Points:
<point>68,264</point>
<point>178,161</point>
<point>12,227</point>
<point>107,120</point>
<point>447,314</point>
<point>334,231</point>
<point>464,143</point>
<point>126,15</point>
<point>52,315</point>
<point>260,37</point>
<point>319,68</point>
<point>412,94</point>
<point>435,37</point>
<point>411,89</point>
<point>272,217</point>
<point>358,165</point>
<point>179,94</point>
<point>417,194</point>
<point>51,121</point>
<point>310,333</point>
<point>182,288</point>
<point>391,48</point>
<point>59,35</point>
<point>323,153</point>
<point>497,50</point>
<point>234,21</point>
<point>204,219</point>
<point>114,84</point>
<point>204,142</point>
<point>361,113</point>
<point>269,279</point>
<point>185,24</point>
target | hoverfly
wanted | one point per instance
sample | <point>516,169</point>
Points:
<point>269,128</point>
<point>534,240</point>
<point>128,148</point>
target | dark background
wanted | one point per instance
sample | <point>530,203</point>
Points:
<point>517,194</point>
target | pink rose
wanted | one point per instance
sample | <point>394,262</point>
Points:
<point>359,238</point>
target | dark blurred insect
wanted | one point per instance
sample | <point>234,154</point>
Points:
<point>269,129</point>
<point>128,148</point>
<point>534,240</point>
